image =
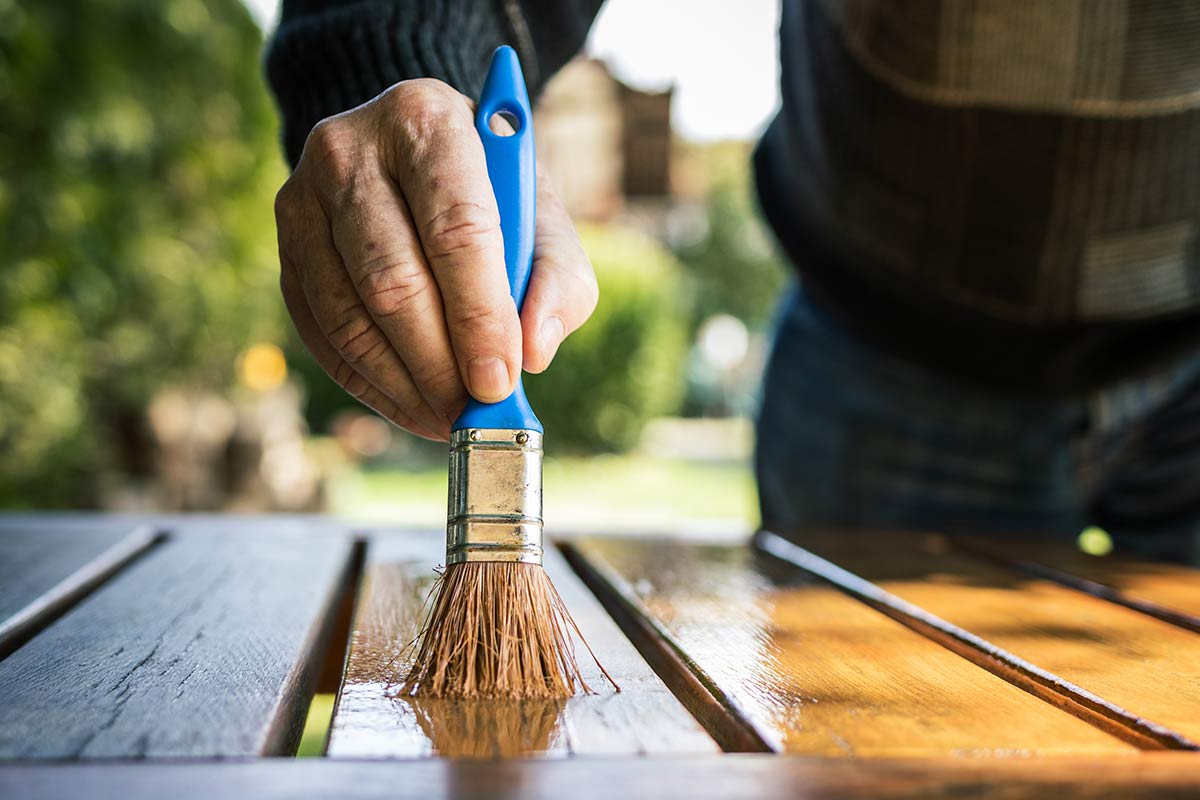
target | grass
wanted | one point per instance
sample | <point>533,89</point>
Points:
<point>316,727</point>
<point>611,493</point>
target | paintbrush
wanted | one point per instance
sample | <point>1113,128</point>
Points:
<point>496,625</point>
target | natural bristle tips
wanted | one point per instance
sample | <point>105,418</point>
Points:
<point>496,629</point>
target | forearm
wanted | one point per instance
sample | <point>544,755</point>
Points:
<point>331,55</point>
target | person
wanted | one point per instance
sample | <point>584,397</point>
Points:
<point>993,210</point>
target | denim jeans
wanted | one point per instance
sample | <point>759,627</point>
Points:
<point>853,438</point>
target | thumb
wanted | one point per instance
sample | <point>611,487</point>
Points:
<point>562,289</point>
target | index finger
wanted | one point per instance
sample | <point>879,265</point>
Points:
<point>443,176</point>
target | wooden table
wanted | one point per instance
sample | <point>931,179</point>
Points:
<point>179,657</point>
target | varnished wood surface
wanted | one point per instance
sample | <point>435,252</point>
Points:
<point>1141,664</point>
<point>370,721</point>
<point>771,777</point>
<point>1168,591</point>
<point>817,672</point>
<point>47,565</point>
<point>205,647</point>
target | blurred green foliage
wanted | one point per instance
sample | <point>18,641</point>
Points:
<point>734,268</point>
<point>625,365</point>
<point>138,156</point>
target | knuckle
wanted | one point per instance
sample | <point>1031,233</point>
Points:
<point>441,380</point>
<point>425,96</point>
<point>420,92</point>
<point>287,206</point>
<point>347,377</point>
<point>357,339</point>
<point>462,231</point>
<point>388,289</point>
<point>589,290</point>
<point>426,111</point>
<point>330,147</point>
<point>575,289</point>
<point>483,322</point>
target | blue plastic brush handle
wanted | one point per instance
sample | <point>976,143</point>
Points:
<point>511,169</point>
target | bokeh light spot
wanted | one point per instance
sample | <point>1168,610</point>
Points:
<point>724,341</point>
<point>262,367</point>
<point>1095,541</point>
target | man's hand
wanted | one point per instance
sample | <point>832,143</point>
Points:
<point>393,262</point>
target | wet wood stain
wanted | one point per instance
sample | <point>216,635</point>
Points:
<point>372,721</point>
<point>818,672</point>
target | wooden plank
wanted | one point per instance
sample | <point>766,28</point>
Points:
<point>205,647</point>
<point>1141,672</point>
<point>1151,775</point>
<point>45,565</point>
<point>815,671</point>
<point>643,717</point>
<point>1170,592</point>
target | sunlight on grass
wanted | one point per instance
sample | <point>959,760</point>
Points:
<point>598,493</point>
<point>316,727</point>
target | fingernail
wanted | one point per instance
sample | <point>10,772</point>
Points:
<point>550,337</point>
<point>489,378</point>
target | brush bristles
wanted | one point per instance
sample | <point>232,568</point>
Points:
<point>496,629</point>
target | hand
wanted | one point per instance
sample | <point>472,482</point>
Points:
<point>392,261</point>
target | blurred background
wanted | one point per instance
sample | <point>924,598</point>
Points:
<point>147,363</point>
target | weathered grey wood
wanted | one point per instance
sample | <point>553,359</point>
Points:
<point>1151,775</point>
<point>205,647</point>
<point>47,567</point>
<point>643,718</point>
<point>38,554</point>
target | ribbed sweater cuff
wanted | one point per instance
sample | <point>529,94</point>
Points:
<point>320,65</point>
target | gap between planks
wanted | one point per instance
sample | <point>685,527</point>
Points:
<point>698,693</point>
<point>371,721</point>
<point>327,649</point>
<point>39,613</point>
<point>1042,683</point>
<point>207,647</point>
<point>815,671</point>
<point>1102,579</point>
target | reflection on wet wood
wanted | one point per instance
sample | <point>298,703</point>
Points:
<point>499,729</point>
<point>370,721</point>
<point>817,672</point>
<point>1141,664</point>
<point>1168,591</point>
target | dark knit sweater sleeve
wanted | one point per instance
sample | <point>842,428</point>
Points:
<point>331,55</point>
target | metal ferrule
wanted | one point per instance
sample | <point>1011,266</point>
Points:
<point>495,509</point>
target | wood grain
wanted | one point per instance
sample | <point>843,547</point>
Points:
<point>816,672</point>
<point>1129,660</point>
<point>48,565</point>
<point>206,647</point>
<point>1152,775</point>
<point>370,721</point>
<point>1170,592</point>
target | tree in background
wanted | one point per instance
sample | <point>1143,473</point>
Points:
<point>734,266</point>
<point>625,365</point>
<point>734,270</point>
<point>138,156</point>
